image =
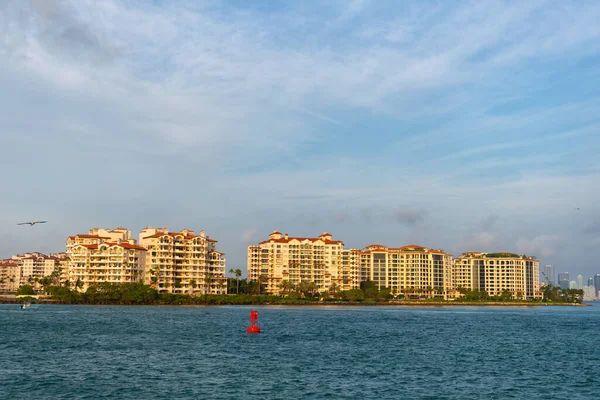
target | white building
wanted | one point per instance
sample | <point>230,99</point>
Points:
<point>589,293</point>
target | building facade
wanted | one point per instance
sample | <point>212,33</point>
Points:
<point>298,259</point>
<point>549,275</point>
<point>183,262</point>
<point>29,269</point>
<point>10,275</point>
<point>324,262</point>
<point>36,266</point>
<point>563,280</point>
<point>103,256</point>
<point>496,273</point>
<point>409,270</point>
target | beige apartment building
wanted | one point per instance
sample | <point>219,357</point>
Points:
<point>183,262</point>
<point>10,275</point>
<point>28,269</point>
<point>496,273</point>
<point>297,259</point>
<point>412,271</point>
<point>102,255</point>
<point>36,266</point>
<point>409,270</point>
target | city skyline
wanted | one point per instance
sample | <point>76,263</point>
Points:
<point>543,270</point>
<point>373,122</point>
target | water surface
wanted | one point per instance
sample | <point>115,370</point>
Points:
<point>91,352</point>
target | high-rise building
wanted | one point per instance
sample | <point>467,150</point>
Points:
<point>496,273</point>
<point>572,285</point>
<point>563,280</point>
<point>103,256</point>
<point>299,259</point>
<point>590,281</point>
<point>183,262</point>
<point>324,262</point>
<point>35,266</point>
<point>589,294</point>
<point>549,275</point>
<point>579,282</point>
<point>10,275</point>
<point>597,285</point>
<point>410,270</point>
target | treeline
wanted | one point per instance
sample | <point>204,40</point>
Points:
<point>556,294</point>
<point>253,293</point>
<point>140,294</point>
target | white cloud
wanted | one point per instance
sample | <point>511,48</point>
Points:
<point>239,109</point>
<point>249,236</point>
<point>542,246</point>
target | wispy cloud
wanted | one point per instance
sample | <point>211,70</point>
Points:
<point>306,115</point>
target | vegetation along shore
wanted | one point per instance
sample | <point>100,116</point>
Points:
<point>368,294</point>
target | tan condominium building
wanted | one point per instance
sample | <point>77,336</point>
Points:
<point>297,259</point>
<point>10,275</point>
<point>103,256</point>
<point>183,262</point>
<point>413,271</point>
<point>36,266</point>
<point>496,273</point>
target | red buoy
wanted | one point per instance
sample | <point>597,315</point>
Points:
<point>253,328</point>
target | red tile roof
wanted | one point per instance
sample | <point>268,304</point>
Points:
<point>113,244</point>
<point>127,246</point>
<point>172,234</point>
<point>301,239</point>
<point>8,263</point>
<point>86,236</point>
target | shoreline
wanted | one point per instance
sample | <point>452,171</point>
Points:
<point>415,303</point>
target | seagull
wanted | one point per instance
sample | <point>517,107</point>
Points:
<point>32,223</point>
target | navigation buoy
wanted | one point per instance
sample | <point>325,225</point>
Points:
<point>253,328</point>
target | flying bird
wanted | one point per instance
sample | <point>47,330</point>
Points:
<point>32,223</point>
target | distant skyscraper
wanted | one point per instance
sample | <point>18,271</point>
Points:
<point>579,282</point>
<point>572,285</point>
<point>590,282</point>
<point>563,280</point>
<point>597,283</point>
<point>588,293</point>
<point>549,275</point>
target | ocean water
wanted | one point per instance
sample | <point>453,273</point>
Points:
<point>94,352</point>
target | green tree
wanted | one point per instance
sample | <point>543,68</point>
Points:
<point>208,280</point>
<point>308,289</point>
<point>237,273</point>
<point>368,284</point>
<point>261,280</point>
<point>333,289</point>
<point>353,295</point>
<point>25,290</point>
<point>286,286</point>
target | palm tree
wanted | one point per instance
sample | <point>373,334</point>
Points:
<point>221,285</point>
<point>261,280</point>
<point>208,279</point>
<point>286,286</point>
<point>333,289</point>
<point>238,273</point>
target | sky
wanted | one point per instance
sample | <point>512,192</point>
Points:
<point>464,125</point>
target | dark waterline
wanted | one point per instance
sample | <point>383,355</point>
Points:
<point>83,352</point>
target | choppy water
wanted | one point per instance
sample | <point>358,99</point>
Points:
<point>81,352</point>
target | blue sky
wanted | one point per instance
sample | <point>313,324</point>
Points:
<point>466,126</point>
